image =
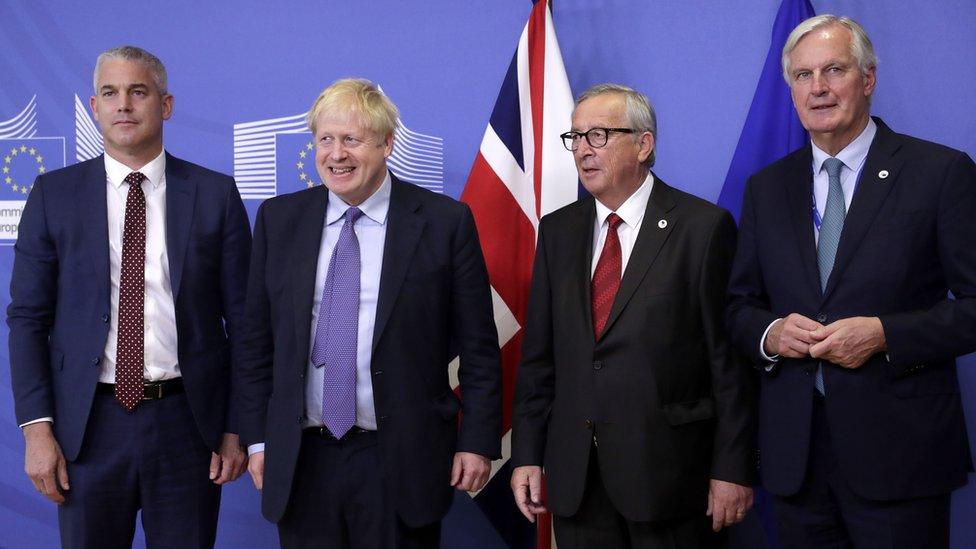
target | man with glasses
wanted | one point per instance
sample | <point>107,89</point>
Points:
<point>628,393</point>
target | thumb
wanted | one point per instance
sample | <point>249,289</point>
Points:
<point>214,465</point>
<point>63,473</point>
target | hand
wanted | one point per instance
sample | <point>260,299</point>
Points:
<point>229,462</point>
<point>527,489</point>
<point>791,337</point>
<point>44,463</point>
<point>727,503</point>
<point>470,471</point>
<point>849,342</point>
<point>255,466</point>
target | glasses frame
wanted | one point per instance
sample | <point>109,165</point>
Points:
<point>569,138</point>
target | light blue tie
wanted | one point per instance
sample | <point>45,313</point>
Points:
<point>337,330</point>
<point>830,229</point>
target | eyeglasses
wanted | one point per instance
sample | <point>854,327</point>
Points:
<point>596,137</point>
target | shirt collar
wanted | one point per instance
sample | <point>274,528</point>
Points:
<point>154,170</point>
<point>632,210</point>
<point>853,154</point>
<point>375,207</point>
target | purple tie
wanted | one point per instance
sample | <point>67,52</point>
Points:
<point>337,330</point>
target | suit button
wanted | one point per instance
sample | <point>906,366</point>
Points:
<point>589,424</point>
<point>104,318</point>
<point>301,375</point>
<point>598,365</point>
<point>821,318</point>
<point>809,370</point>
<point>377,372</point>
<point>95,361</point>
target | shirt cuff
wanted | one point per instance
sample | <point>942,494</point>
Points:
<point>762,351</point>
<point>38,420</point>
<point>255,449</point>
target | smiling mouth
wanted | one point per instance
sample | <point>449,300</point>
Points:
<point>822,107</point>
<point>341,171</point>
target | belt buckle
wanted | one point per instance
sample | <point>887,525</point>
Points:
<point>149,388</point>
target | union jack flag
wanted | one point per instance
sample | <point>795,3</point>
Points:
<point>521,173</point>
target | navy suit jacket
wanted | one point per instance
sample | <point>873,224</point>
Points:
<point>897,421</point>
<point>60,302</point>
<point>434,303</point>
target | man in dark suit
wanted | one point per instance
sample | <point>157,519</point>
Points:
<point>847,251</point>
<point>361,291</point>
<point>628,393</point>
<point>126,298</point>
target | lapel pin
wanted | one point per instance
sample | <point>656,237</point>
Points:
<point>883,174</point>
<point>662,223</point>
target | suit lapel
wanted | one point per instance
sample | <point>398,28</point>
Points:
<point>581,259</point>
<point>308,225</point>
<point>799,189</point>
<point>94,209</point>
<point>869,195</point>
<point>404,228</point>
<point>651,238</point>
<point>180,196</point>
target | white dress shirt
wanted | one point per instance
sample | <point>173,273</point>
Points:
<point>370,230</point>
<point>160,311</point>
<point>854,155</point>
<point>631,212</point>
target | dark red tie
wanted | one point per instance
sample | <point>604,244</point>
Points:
<point>606,278</point>
<point>130,354</point>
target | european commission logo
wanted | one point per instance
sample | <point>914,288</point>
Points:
<point>23,157</point>
<point>277,156</point>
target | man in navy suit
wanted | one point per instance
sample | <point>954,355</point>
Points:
<point>360,293</point>
<point>848,250</point>
<point>126,298</point>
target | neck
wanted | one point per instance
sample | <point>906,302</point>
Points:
<point>135,160</point>
<point>833,143</point>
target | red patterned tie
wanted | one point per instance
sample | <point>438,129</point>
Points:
<point>606,278</point>
<point>130,355</point>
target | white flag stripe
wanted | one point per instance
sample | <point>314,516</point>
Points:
<point>558,167</point>
<point>528,134</point>
<point>497,155</point>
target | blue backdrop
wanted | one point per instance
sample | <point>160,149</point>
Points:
<point>242,73</point>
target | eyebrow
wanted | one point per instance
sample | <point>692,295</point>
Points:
<point>137,85</point>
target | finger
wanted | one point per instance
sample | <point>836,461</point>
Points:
<point>457,470</point>
<point>63,473</point>
<point>535,489</point>
<point>711,501</point>
<point>803,323</point>
<point>522,502</point>
<point>214,465</point>
<point>718,519</point>
<point>226,469</point>
<point>256,477</point>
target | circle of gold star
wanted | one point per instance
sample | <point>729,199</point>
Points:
<point>303,154</point>
<point>8,160</point>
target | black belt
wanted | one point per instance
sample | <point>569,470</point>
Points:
<point>151,390</point>
<point>323,431</point>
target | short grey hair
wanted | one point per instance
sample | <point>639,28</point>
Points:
<point>861,48</point>
<point>640,112</point>
<point>133,53</point>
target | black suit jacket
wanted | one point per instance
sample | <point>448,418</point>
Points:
<point>434,303</point>
<point>669,405</point>
<point>896,422</point>
<point>60,303</point>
